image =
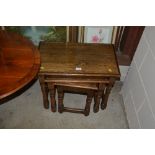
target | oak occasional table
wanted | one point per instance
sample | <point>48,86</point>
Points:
<point>77,63</point>
<point>19,62</point>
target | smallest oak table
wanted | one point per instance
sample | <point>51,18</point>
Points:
<point>77,63</point>
<point>19,62</point>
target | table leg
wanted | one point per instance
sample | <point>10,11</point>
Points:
<point>52,90</point>
<point>98,96</point>
<point>60,100</point>
<point>44,90</point>
<point>88,103</point>
<point>106,95</point>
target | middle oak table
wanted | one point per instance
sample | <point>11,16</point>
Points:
<point>78,63</point>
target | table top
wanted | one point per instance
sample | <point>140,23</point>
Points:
<point>78,59</point>
<point>19,62</point>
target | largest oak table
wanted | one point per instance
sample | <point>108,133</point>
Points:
<point>77,63</point>
<point>19,62</point>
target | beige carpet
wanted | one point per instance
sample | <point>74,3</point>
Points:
<point>26,111</point>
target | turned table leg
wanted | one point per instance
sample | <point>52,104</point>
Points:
<point>44,90</point>
<point>52,90</point>
<point>60,100</point>
<point>98,96</point>
<point>106,95</point>
<point>88,103</point>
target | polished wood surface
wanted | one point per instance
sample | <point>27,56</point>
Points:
<point>19,62</point>
<point>76,58</point>
<point>80,85</point>
<point>92,67</point>
<point>130,39</point>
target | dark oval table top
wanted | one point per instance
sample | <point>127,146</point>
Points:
<point>19,62</point>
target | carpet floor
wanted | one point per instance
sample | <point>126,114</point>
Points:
<point>26,112</point>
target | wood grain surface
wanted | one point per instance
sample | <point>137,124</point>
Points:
<point>19,62</point>
<point>76,58</point>
<point>83,67</point>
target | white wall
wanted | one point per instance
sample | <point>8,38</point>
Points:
<point>124,71</point>
<point>138,90</point>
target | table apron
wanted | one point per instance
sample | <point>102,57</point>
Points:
<point>77,80</point>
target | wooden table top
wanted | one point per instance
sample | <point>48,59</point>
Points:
<point>19,62</point>
<point>78,59</point>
